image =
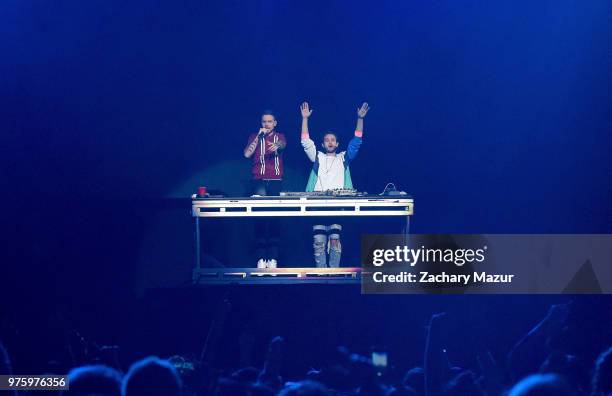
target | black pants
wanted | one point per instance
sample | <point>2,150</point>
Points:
<point>266,187</point>
<point>267,230</point>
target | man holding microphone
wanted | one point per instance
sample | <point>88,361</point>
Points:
<point>266,148</point>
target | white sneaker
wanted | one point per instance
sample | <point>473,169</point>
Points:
<point>262,264</point>
<point>272,263</point>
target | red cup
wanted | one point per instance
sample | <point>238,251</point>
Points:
<point>201,191</point>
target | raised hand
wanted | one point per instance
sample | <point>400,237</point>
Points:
<point>305,109</point>
<point>558,313</point>
<point>437,316</point>
<point>363,110</point>
<point>276,344</point>
<point>492,378</point>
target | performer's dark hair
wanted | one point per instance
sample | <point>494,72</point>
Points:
<point>269,112</point>
<point>330,133</point>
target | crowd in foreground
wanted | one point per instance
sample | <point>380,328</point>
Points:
<point>534,367</point>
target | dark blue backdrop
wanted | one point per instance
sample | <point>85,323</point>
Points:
<point>495,116</point>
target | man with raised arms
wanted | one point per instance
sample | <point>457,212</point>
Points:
<point>330,170</point>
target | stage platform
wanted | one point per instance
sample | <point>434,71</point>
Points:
<point>290,206</point>
<point>250,276</point>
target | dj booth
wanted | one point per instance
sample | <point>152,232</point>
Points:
<point>291,205</point>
